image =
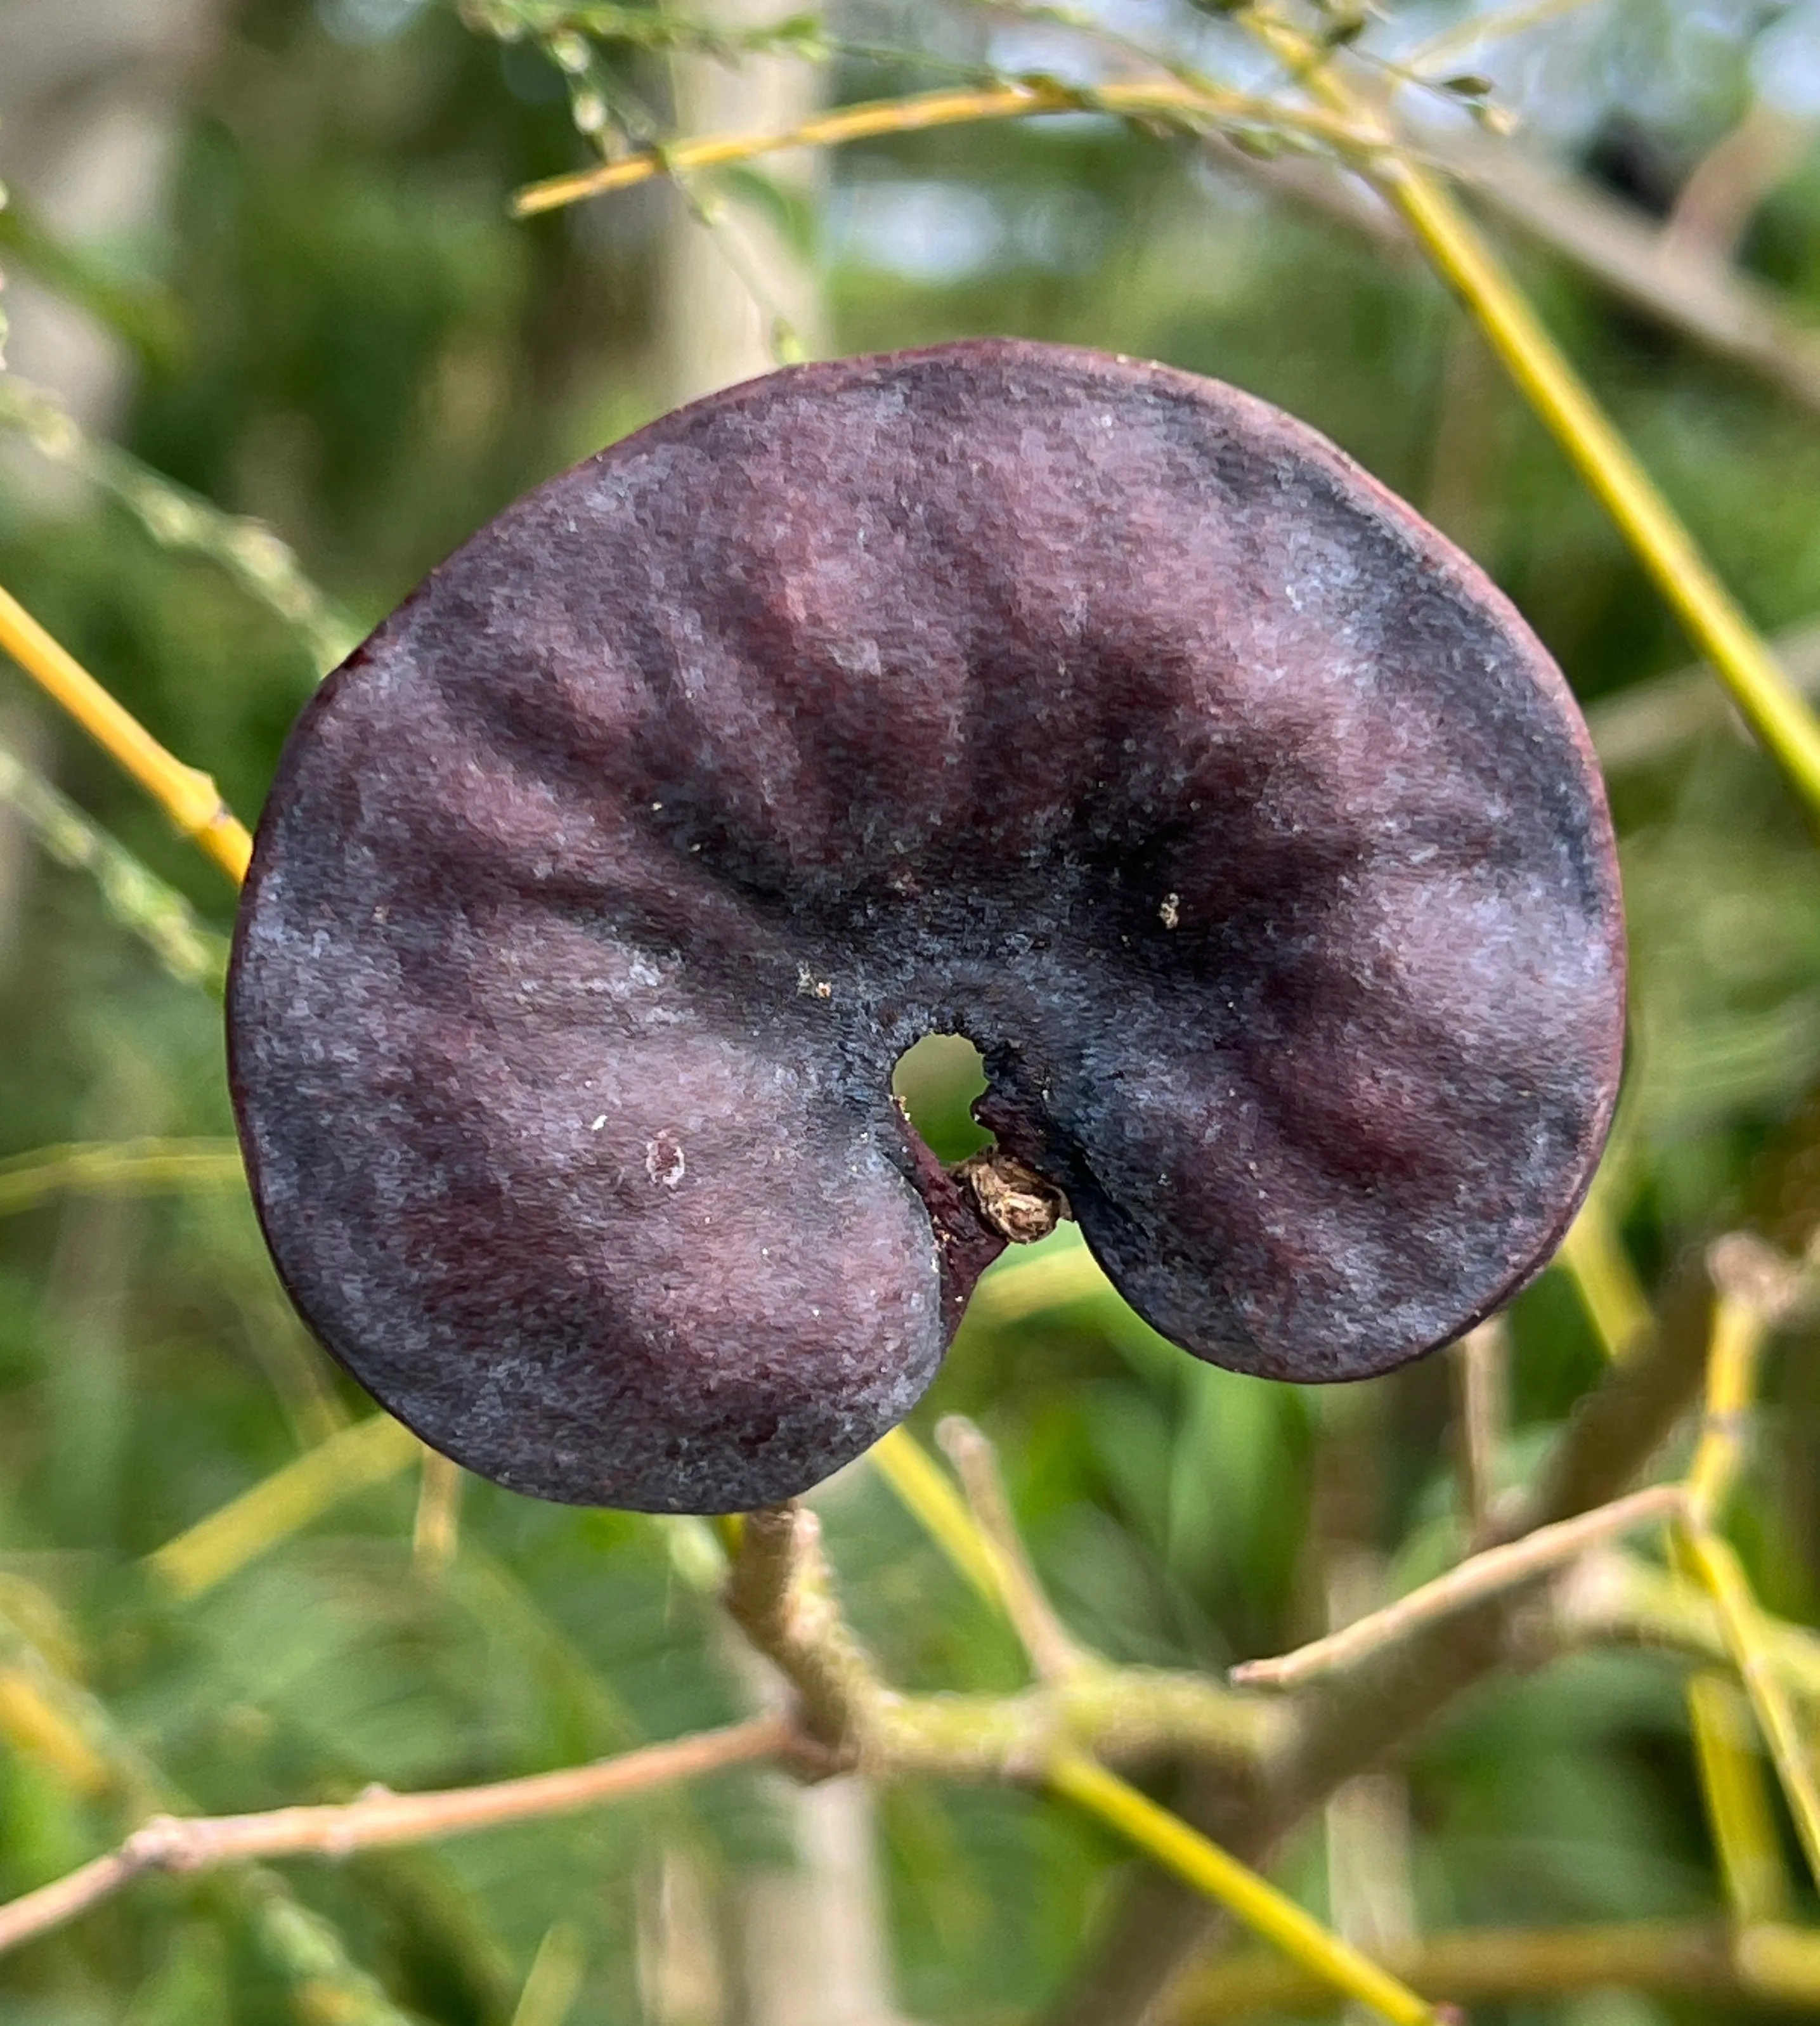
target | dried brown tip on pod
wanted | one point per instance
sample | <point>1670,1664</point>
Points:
<point>1095,712</point>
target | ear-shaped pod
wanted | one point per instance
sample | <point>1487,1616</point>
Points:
<point>1096,711</point>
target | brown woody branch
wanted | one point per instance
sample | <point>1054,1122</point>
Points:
<point>781,1595</point>
<point>1270,1759</point>
<point>1265,1764</point>
<point>1475,1581</point>
<point>378,1818</point>
<point>1361,1715</point>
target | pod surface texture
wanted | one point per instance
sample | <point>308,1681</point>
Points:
<point>1098,713</point>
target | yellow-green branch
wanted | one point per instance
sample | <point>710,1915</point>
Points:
<point>186,795</point>
<point>1159,98</point>
<point>131,892</point>
<point>1249,1898</point>
<point>1770,1964</point>
<point>1751,1286</point>
<point>366,1454</point>
<point>124,1167</point>
<point>912,1474</point>
<point>1744,1833</point>
<point>1770,703</point>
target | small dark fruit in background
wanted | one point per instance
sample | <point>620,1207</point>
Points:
<point>1098,713</point>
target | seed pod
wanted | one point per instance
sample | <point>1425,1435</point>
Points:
<point>1097,712</point>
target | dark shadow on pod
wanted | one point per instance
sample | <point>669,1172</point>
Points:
<point>1095,712</point>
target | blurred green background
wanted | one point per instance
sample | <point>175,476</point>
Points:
<point>263,246</point>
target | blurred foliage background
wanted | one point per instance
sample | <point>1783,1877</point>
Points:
<point>263,247</point>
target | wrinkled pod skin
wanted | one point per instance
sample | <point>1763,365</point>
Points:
<point>1095,712</point>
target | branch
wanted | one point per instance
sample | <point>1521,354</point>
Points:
<point>919,1485</point>
<point>306,1950</point>
<point>781,1594</point>
<point>263,566</point>
<point>132,892</point>
<point>1356,1715</point>
<point>1614,1599</point>
<point>188,797</point>
<point>1335,1963</point>
<point>1343,122</point>
<point>1359,1716</point>
<point>1741,1620</point>
<point>1747,1838</point>
<point>1165,97</point>
<point>1616,1428</point>
<point>198,1843</point>
<point>1592,1256</point>
<point>1716,203</point>
<point>1688,584</point>
<point>367,1452</point>
<point>1727,313</point>
<point>117,1167</point>
<point>1444,51</point>
<point>1772,1964</point>
<point>435,1532</point>
<point>1758,1289</point>
<point>1481,1373</point>
<point>1321,188</point>
<point>1653,720</point>
<point>1053,1650</point>
<point>1482,1577</point>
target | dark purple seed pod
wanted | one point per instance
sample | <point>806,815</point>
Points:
<point>1095,712</point>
